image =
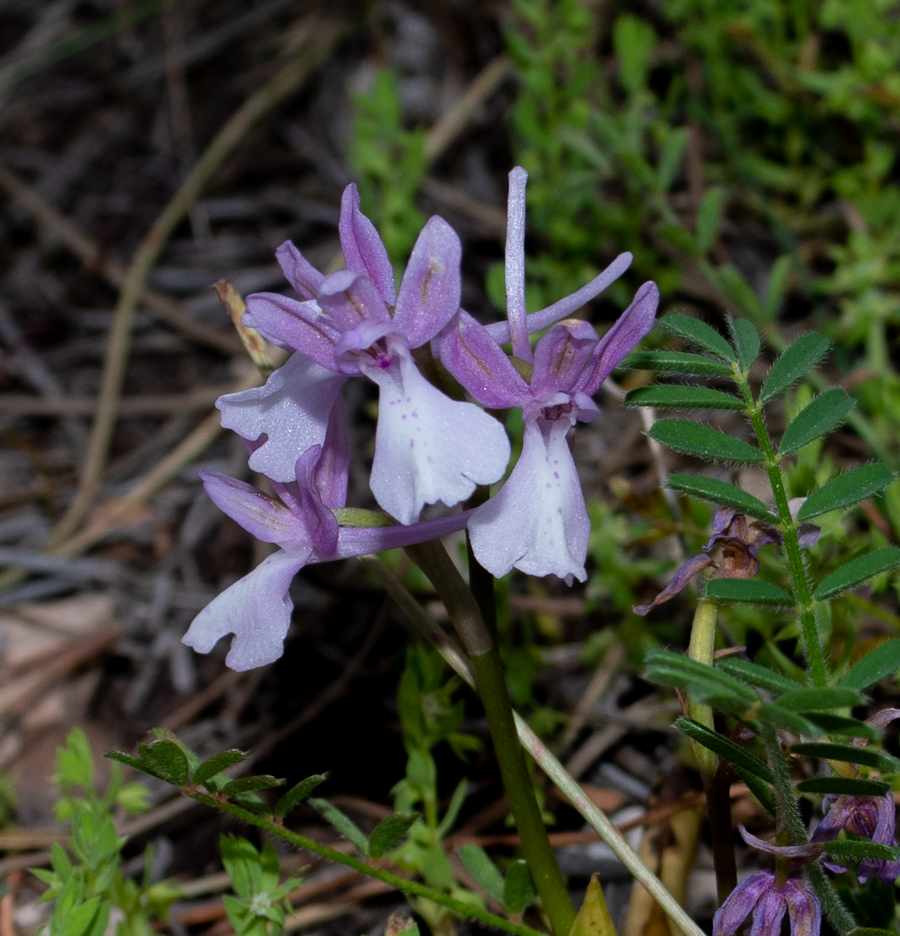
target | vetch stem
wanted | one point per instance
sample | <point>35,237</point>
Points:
<point>484,654</point>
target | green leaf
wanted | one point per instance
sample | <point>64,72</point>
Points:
<point>297,793</point>
<point>721,492</point>
<point>726,749</point>
<point>759,788</point>
<point>756,675</point>
<point>846,489</point>
<point>883,660</point>
<point>251,784</point>
<point>700,334</point>
<point>165,760</point>
<point>683,397</point>
<point>816,419</point>
<point>857,570</point>
<point>746,340</point>
<point>841,725</point>
<point>859,850</point>
<point>670,157</point>
<point>485,872</point>
<point>772,714</point>
<point>798,359</point>
<point>389,832</point>
<point>697,439</point>
<point>753,591</point>
<point>776,286</point>
<point>848,753</point>
<point>835,786</point>
<point>819,699</point>
<point>593,918</point>
<point>518,889</point>
<point>705,683</point>
<point>343,823</point>
<point>675,362</point>
<point>739,290</point>
<point>216,764</point>
<point>708,218</point>
<point>126,759</point>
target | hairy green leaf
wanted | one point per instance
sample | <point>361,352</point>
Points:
<point>697,439</point>
<point>683,397</point>
<point>700,334</point>
<point>798,359</point>
<point>846,489</point>
<point>721,492</point>
<point>883,660</point>
<point>251,784</point>
<point>518,889</point>
<point>816,419</point>
<point>726,749</point>
<point>859,850</point>
<point>705,683</point>
<point>297,793</point>
<point>820,699</point>
<point>844,726</point>
<point>389,832</point>
<point>166,760</point>
<point>343,823</point>
<point>675,362</point>
<point>753,591</point>
<point>708,216</point>
<point>216,764</point>
<point>756,675</point>
<point>835,786</point>
<point>772,714</point>
<point>776,286</point>
<point>848,753</point>
<point>746,340</point>
<point>485,872</point>
<point>857,570</point>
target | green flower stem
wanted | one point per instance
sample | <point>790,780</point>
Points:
<point>556,773</point>
<point>701,647</point>
<point>456,907</point>
<point>484,653</point>
<point>812,647</point>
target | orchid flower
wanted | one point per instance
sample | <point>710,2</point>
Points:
<point>428,448</point>
<point>537,522</point>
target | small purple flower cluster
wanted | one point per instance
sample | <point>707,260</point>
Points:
<point>429,448</point>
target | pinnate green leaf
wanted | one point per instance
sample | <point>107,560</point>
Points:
<point>816,699</point>
<point>756,675</point>
<point>859,850</point>
<point>816,419</point>
<point>700,334</point>
<point>746,340</point>
<point>675,362</point>
<point>721,492</point>
<point>518,889</point>
<point>835,786</point>
<point>251,784</point>
<point>798,359</point>
<point>297,793</point>
<point>857,570</point>
<point>127,760</point>
<point>216,764</point>
<point>752,591</point>
<point>165,760</point>
<point>848,753</point>
<point>485,872</point>
<point>846,489</point>
<point>683,397</point>
<point>343,823</point>
<point>771,713</point>
<point>883,660</point>
<point>844,726</point>
<point>389,832</point>
<point>705,683</point>
<point>726,749</point>
<point>697,439</point>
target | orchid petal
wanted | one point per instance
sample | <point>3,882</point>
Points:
<point>561,355</point>
<point>298,326</point>
<point>679,581</point>
<point>625,333</point>
<point>256,609</point>
<point>429,448</point>
<point>361,541</point>
<point>298,271</point>
<point>741,902</point>
<point>291,409</point>
<point>537,522</point>
<point>333,468</point>
<point>515,264</point>
<point>362,247</point>
<point>808,852</point>
<point>430,291</point>
<point>479,364</point>
<point>769,913</point>
<point>319,521</point>
<point>254,510</point>
<point>803,908</point>
<point>568,305</point>
<point>350,299</point>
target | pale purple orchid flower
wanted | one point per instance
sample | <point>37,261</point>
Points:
<point>537,522</point>
<point>257,609</point>
<point>428,448</point>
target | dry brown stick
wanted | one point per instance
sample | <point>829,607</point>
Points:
<point>115,273</point>
<point>140,404</point>
<point>283,84</point>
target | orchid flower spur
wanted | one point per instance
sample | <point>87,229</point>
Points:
<point>257,608</point>
<point>739,539</point>
<point>428,448</point>
<point>537,522</point>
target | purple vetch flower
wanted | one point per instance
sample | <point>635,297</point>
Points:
<point>873,818</point>
<point>428,448</point>
<point>257,608</point>
<point>739,538</point>
<point>761,897</point>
